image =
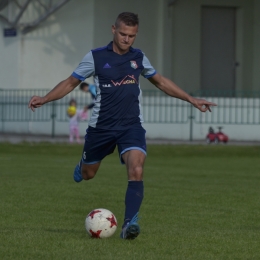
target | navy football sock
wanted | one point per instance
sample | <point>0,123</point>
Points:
<point>133,199</point>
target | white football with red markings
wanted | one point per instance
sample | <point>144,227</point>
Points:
<point>101,223</point>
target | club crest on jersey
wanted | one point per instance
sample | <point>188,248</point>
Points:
<point>133,64</point>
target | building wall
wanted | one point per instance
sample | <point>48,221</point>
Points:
<point>169,35</point>
<point>9,59</point>
<point>186,42</point>
<point>256,61</point>
<point>48,54</point>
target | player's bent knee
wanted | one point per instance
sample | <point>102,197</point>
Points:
<point>138,170</point>
<point>136,173</point>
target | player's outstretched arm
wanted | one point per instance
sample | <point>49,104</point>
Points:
<point>59,91</point>
<point>171,89</point>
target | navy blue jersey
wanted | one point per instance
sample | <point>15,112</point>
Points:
<point>117,104</point>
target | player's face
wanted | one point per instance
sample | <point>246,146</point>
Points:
<point>124,37</point>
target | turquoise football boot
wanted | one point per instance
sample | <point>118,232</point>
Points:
<point>131,229</point>
<point>77,174</point>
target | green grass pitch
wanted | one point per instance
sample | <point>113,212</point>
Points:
<point>201,202</point>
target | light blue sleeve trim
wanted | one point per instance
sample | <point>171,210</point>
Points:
<point>75,75</point>
<point>148,70</point>
<point>129,149</point>
<point>86,68</point>
<point>149,76</point>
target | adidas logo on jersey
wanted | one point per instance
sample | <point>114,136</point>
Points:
<point>106,66</point>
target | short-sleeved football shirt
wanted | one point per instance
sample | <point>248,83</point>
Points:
<point>117,104</point>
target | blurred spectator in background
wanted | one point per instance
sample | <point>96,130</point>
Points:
<point>75,115</point>
<point>85,87</point>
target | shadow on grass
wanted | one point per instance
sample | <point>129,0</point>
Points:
<point>53,230</point>
<point>59,230</point>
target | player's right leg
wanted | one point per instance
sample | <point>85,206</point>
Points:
<point>132,150</point>
<point>134,160</point>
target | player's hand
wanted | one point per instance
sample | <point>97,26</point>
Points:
<point>202,104</point>
<point>35,102</point>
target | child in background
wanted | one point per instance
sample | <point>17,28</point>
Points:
<point>75,116</point>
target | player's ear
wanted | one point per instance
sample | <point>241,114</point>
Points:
<point>113,29</point>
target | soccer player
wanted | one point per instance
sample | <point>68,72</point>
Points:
<point>116,119</point>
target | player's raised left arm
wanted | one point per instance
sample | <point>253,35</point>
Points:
<point>171,89</point>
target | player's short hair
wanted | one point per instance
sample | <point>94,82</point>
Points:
<point>127,18</point>
<point>83,85</point>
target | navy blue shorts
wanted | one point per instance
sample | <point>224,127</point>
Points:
<point>100,143</point>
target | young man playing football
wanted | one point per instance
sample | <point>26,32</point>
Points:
<point>116,117</point>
